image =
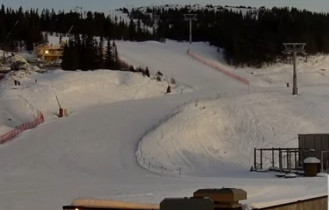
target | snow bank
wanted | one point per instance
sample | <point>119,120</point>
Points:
<point>77,90</point>
<point>216,137</point>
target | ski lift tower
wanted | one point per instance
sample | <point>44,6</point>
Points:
<point>294,48</point>
<point>190,18</point>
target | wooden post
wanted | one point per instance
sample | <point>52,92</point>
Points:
<point>287,159</point>
<point>301,154</point>
<point>296,164</point>
<point>261,158</point>
<point>272,157</point>
<point>255,158</point>
<point>280,159</point>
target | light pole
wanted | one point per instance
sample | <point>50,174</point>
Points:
<point>190,18</point>
<point>294,48</point>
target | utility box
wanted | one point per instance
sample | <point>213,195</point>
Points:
<point>225,198</point>
<point>311,166</point>
<point>187,204</point>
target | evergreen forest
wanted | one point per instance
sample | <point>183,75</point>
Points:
<point>247,36</point>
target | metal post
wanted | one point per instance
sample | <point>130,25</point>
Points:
<point>294,89</point>
<point>190,18</point>
<point>294,48</point>
<point>190,31</point>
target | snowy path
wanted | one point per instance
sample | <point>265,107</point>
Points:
<point>171,59</point>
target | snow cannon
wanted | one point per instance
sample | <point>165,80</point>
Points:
<point>101,204</point>
<point>62,112</point>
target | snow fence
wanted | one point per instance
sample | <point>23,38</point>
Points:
<point>214,66</point>
<point>39,119</point>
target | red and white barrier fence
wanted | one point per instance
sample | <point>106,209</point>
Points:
<point>23,127</point>
<point>213,65</point>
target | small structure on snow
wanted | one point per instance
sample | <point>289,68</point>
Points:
<point>207,199</point>
<point>311,166</point>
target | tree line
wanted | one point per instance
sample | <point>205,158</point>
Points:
<point>85,52</point>
<point>26,28</point>
<point>248,37</point>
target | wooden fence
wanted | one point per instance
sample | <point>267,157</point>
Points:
<point>282,158</point>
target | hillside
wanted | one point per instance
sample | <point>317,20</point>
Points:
<point>206,127</point>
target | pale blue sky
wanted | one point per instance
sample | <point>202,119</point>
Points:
<point>105,5</point>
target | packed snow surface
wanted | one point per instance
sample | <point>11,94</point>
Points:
<point>125,139</point>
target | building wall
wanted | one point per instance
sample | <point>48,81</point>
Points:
<point>318,142</point>
<point>320,203</point>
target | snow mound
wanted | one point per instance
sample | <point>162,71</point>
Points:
<point>77,90</point>
<point>214,137</point>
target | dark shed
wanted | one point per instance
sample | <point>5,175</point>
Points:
<point>314,145</point>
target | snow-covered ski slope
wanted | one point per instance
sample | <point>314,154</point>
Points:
<point>125,139</point>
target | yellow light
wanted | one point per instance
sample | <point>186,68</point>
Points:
<point>46,51</point>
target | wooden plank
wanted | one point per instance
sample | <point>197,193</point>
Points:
<point>100,203</point>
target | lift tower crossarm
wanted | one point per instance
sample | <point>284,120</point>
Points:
<point>190,18</point>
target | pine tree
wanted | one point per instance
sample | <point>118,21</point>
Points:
<point>100,54</point>
<point>116,60</point>
<point>108,55</point>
